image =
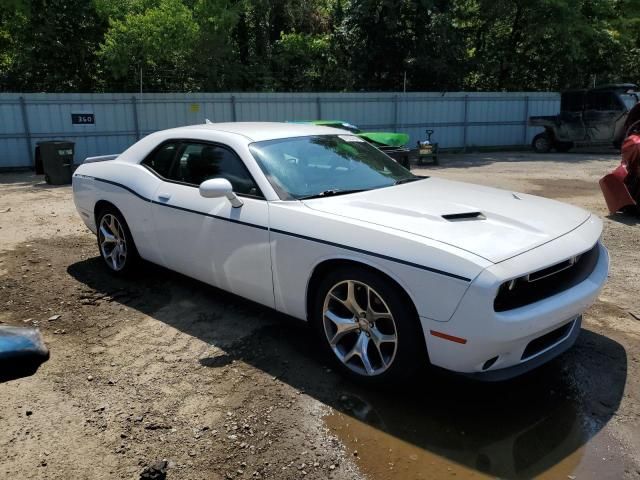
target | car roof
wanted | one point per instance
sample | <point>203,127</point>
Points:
<point>258,131</point>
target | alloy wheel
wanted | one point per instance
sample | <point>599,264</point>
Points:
<point>113,243</point>
<point>360,327</point>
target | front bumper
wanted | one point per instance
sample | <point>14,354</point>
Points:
<point>488,334</point>
<point>533,362</point>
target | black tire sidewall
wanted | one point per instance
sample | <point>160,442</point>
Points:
<point>411,352</point>
<point>534,143</point>
<point>132,253</point>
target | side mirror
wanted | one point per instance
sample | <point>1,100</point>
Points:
<point>22,351</point>
<point>219,187</point>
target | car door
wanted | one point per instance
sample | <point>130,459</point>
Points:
<point>207,238</point>
<point>571,126</point>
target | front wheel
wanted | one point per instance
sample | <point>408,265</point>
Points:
<point>367,327</point>
<point>541,143</point>
<point>115,242</point>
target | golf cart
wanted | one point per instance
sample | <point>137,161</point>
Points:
<point>587,118</point>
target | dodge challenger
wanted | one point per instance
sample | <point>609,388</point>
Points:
<point>391,270</point>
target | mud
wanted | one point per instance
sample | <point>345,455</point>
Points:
<point>165,368</point>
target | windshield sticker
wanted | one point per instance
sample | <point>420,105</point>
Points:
<point>350,138</point>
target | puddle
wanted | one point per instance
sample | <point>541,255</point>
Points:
<point>532,428</point>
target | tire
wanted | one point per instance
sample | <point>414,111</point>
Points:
<point>115,243</point>
<point>563,147</point>
<point>541,143</point>
<point>400,350</point>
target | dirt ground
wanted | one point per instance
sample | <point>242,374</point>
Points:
<point>161,367</point>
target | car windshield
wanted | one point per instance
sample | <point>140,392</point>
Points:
<point>314,166</point>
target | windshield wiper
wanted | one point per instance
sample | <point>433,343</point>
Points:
<point>331,193</point>
<point>407,180</point>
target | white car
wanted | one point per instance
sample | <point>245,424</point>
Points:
<point>392,270</point>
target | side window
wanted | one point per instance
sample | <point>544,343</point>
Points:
<point>161,159</point>
<point>198,162</point>
<point>603,101</point>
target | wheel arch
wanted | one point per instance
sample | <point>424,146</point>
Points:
<point>326,265</point>
<point>101,205</point>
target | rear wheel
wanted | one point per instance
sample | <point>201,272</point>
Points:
<point>541,143</point>
<point>368,329</point>
<point>115,242</point>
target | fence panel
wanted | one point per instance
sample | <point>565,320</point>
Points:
<point>459,119</point>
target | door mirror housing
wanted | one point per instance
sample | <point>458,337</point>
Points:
<point>219,187</point>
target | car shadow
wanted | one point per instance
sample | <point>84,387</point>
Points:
<point>625,218</point>
<point>513,429</point>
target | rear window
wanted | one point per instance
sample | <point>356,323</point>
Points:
<point>161,159</point>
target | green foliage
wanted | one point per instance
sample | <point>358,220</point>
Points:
<point>337,45</point>
<point>159,39</point>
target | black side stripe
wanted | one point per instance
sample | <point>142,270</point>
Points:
<point>217,217</point>
<point>290,234</point>
<point>231,220</point>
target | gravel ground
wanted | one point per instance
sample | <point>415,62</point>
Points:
<point>161,367</point>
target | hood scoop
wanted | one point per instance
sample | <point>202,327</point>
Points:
<point>460,217</point>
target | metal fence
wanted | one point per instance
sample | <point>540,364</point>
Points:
<point>108,123</point>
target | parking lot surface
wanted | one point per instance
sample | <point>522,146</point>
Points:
<point>160,367</point>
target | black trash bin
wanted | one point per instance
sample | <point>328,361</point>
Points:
<point>54,159</point>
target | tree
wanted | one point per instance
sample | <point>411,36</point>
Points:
<point>538,44</point>
<point>49,45</point>
<point>160,40</point>
<point>387,38</point>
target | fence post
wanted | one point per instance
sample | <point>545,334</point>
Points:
<point>318,108</point>
<point>27,130</point>
<point>466,121</point>
<point>136,124</point>
<point>395,112</point>
<point>234,114</point>
<point>525,131</point>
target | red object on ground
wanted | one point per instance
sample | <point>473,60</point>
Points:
<point>614,186</point>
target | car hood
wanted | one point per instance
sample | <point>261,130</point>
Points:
<point>506,223</point>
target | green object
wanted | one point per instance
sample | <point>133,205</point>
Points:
<point>381,138</point>
<point>386,138</point>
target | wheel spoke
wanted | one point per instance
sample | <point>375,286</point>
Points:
<point>359,350</point>
<point>343,326</point>
<point>352,303</point>
<point>113,226</point>
<point>378,338</point>
<point>106,236</point>
<point>114,256</point>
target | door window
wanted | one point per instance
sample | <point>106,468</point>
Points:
<point>198,162</point>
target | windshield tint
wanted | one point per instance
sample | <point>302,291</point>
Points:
<point>309,166</point>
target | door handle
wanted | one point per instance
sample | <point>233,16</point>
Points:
<point>164,197</point>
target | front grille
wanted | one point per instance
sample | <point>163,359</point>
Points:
<point>539,344</point>
<point>546,282</point>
